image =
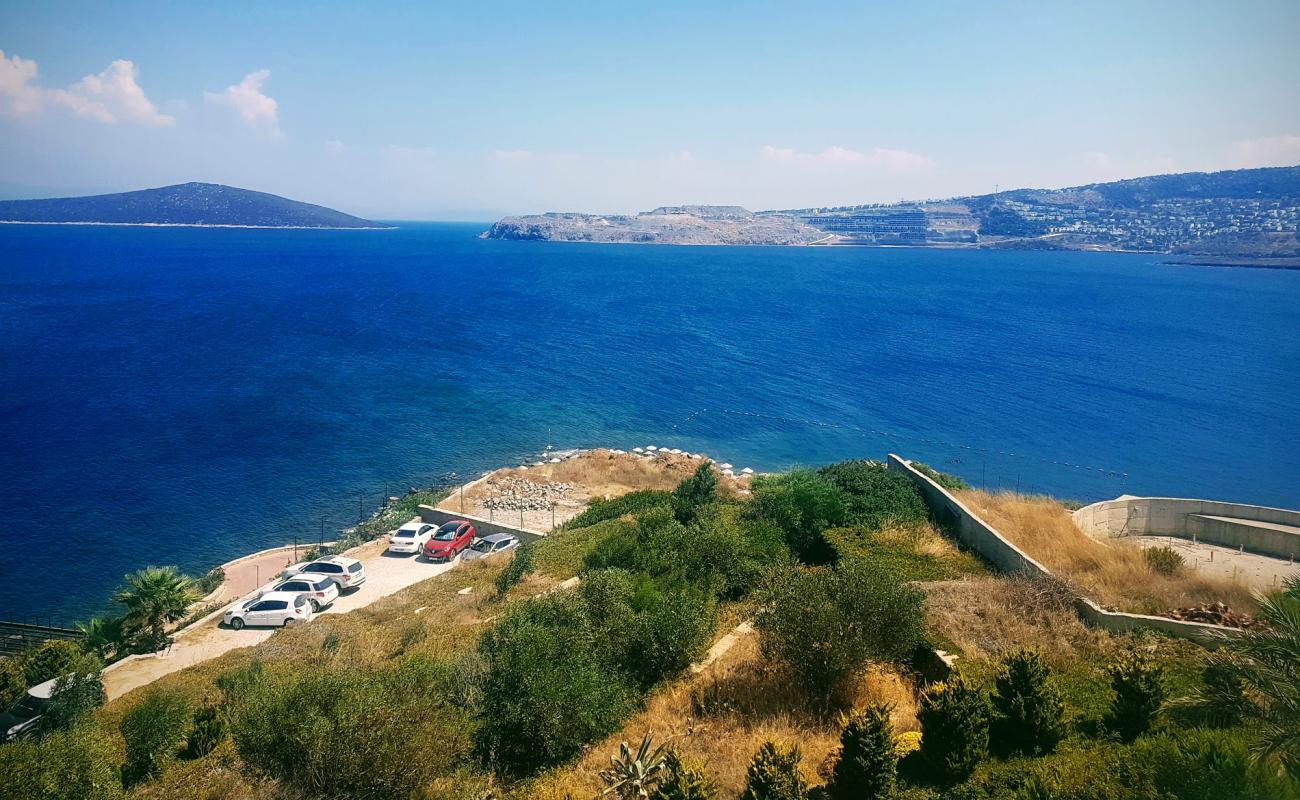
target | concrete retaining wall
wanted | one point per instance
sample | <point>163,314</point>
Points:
<point>483,527</point>
<point>977,535</point>
<point>1180,517</point>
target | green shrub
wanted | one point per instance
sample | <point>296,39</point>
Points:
<point>101,636</point>
<point>950,482</point>
<point>207,730</point>
<point>550,686</point>
<point>683,780</point>
<point>1208,765</point>
<point>954,717</point>
<point>517,569</point>
<point>721,552</point>
<point>1030,713</point>
<point>651,632</point>
<point>153,732</point>
<point>48,660</point>
<point>79,692</point>
<point>348,732</point>
<point>904,552</point>
<point>12,683</point>
<point>632,503</point>
<point>77,764</point>
<point>695,492</point>
<point>210,581</point>
<point>561,554</point>
<point>876,495</point>
<point>1164,559</point>
<point>825,624</point>
<point>1138,682</point>
<point>868,759</point>
<point>1082,770</point>
<point>773,774</point>
<point>802,504</point>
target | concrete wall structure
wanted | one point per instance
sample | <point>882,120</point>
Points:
<point>483,527</point>
<point>977,535</point>
<point>1259,529</point>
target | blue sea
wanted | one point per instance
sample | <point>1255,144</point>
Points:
<point>184,396</point>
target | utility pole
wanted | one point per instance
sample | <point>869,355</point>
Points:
<point>361,507</point>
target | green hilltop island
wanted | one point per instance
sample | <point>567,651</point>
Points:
<point>184,204</point>
<point>1247,216</point>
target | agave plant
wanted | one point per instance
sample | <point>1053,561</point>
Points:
<point>634,777</point>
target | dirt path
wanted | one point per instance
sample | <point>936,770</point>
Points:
<point>385,575</point>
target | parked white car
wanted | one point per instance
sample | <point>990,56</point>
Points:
<point>348,573</point>
<point>320,590</point>
<point>22,718</point>
<point>411,537</point>
<point>275,609</point>
<point>490,545</point>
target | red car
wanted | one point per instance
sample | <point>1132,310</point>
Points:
<point>450,538</point>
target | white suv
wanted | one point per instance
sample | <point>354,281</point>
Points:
<point>277,609</point>
<point>348,573</point>
<point>320,590</point>
<point>410,538</point>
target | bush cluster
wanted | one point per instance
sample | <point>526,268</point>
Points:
<point>1030,713</point>
<point>824,624</point>
<point>518,568</point>
<point>1138,683</point>
<point>1164,560</point>
<point>632,503</point>
<point>773,774</point>
<point>867,766</point>
<point>76,764</point>
<point>153,732</point>
<point>875,494</point>
<point>348,732</point>
<point>954,717</point>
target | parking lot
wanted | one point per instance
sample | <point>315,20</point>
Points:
<point>385,575</point>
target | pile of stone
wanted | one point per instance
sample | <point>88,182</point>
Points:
<point>521,494</point>
<point>1213,613</point>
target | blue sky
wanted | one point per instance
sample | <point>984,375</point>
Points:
<point>442,111</point>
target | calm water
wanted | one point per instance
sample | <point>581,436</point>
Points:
<point>184,396</point>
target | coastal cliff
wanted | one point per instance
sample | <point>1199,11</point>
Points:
<point>1239,213</point>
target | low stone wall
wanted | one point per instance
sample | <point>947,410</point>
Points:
<point>977,535</point>
<point>1185,518</point>
<point>483,527</point>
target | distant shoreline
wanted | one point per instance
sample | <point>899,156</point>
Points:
<point>209,225</point>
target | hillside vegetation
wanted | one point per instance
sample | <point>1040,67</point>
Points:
<point>520,688</point>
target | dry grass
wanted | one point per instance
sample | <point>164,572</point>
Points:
<point>1113,573</point>
<point>983,618</point>
<point>722,716</point>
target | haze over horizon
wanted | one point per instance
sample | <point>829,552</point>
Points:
<point>454,113</point>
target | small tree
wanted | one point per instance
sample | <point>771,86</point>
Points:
<point>12,683</point>
<point>208,730</point>
<point>634,776</point>
<point>694,492</point>
<point>774,774</point>
<point>683,781</point>
<point>825,624</point>
<point>1029,707</point>
<point>76,694</point>
<point>1139,687</point>
<point>954,720</point>
<point>48,660</point>
<point>868,760</point>
<point>101,636</point>
<point>517,569</point>
<point>153,732</point>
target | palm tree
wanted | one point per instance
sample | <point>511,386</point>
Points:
<point>101,636</point>
<point>1255,677</point>
<point>154,597</point>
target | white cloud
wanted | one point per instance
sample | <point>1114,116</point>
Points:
<point>246,97</point>
<point>334,147</point>
<point>17,79</point>
<point>1269,151</point>
<point>876,157</point>
<point>110,97</point>
<point>513,155</point>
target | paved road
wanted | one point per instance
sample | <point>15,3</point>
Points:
<point>384,575</point>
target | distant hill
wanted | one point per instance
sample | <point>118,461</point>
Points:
<point>183,204</point>
<point>1249,213</point>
